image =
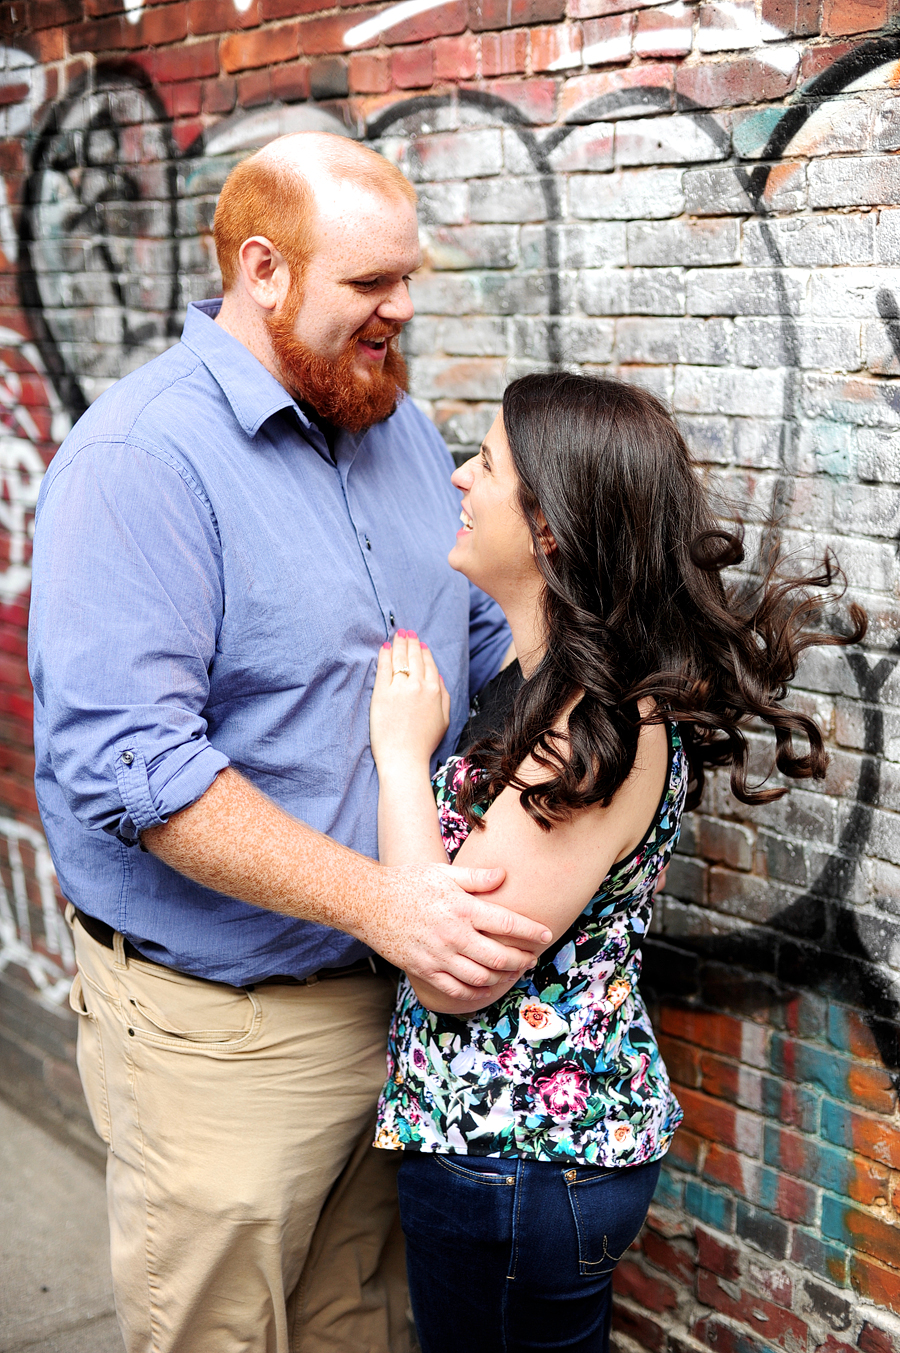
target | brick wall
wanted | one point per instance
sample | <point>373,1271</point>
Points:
<point>703,198</point>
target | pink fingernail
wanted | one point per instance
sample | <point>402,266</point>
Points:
<point>401,634</point>
<point>411,634</point>
<point>386,644</point>
<point>421,645</point>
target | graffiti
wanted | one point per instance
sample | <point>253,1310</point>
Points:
<point>35,938</point>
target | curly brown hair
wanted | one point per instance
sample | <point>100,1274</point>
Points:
<point>635,607</point>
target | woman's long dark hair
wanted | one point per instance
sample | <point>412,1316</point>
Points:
<point>635,606</point>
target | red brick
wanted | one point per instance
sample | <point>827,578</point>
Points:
<point>793,17</point>
<point>875,1283</point>
<point>728,83</point>
<point>104,35</point>
<point>875,1138</point>
<point>674,1257</point>
<point>816,59</point>
<point>369,74</point>
<point>161,25</point>
<point>535,99</point>
<point>874,1340</point>
<point>766,1319</point>
<point>185,99</point>
<point>194,61</point>
<point>832,1345</point>
<point>660,34</point>
<point>504,53</point>
<point>254,89</point>
<point>854,16</point>
<point>443,21</point>
<point>872,1088</point>
<point>550,46</point>
<point>290,9</point>
<point>720,1078</point>
<point>413,67</point>
<point>686,1150</point>
<point>724,1166</point>
<point>290,84</point>
<point>653,1294</point>
<point>724,1338</point>
<point>17,795</point>
<point>490,14</point>
<point>53,13</point>
<point>606,41</point>
<point>718,1258</point>
<point>682,1061</point>
<point>718,1033</point>
<point>456,58</point>
<point>46,45</point>
<point>14,93</point>
<point>220,16</point>
<point>219,95</point>
<point>873,1236</point>
<point>265,47</point>
<point>319,37</point>
<point>721,1123</point>
<point>646,1333</point>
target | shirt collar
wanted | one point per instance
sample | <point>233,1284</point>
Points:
<point>253,392</point>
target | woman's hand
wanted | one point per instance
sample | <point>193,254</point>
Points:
<point>410,709</point>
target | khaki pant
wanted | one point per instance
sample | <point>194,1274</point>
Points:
<point>247,1210</point>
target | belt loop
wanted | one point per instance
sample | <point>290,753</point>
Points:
<point>70,915</point>
<point>119,959</point>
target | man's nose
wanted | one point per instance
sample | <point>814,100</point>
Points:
<point>397,305</point>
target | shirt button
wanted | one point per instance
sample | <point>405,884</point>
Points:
<point>392,620</point>
<point>368,542</point>
<point>127,758</point>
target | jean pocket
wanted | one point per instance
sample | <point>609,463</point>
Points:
<point>496,1173</point>
<point>609,1210</point>
<point>89,1060</point>
<point>169,1010</point>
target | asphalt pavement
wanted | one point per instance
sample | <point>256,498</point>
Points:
<point>55,1288</point>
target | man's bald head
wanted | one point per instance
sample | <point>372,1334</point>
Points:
<point>279,192</point>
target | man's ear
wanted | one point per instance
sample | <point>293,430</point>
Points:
<point>264,272</point>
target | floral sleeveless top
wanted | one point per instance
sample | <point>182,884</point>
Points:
<point>563,1067</point>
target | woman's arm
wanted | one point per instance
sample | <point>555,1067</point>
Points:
<point>551,876</point>
<point>408,717</point>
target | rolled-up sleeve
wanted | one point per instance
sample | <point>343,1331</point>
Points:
<point>127,602</point>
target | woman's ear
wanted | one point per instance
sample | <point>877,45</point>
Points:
<point>545,537</point>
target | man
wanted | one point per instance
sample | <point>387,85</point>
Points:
<point>222,544</point>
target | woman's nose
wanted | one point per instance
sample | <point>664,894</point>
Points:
<point>463,476</point>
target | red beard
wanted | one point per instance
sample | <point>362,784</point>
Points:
<point>333,388</point>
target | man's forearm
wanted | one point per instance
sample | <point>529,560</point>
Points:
<point>238,842</point>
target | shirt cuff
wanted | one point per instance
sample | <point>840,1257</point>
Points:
<point>172,782</point>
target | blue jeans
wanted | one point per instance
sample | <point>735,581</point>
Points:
<point>510,1256</point>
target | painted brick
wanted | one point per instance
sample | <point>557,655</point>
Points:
<point>554,49</point>
<point>857,16</point>
<point>673,139</point>
<point>652,291</point>
<point>854,180</point>
<point>220,16</point>
<point>465,154</point>
<point>724,84</point>
<point>721,1122</point>
<point>777,1327</point>
<point>627,195</point>
<point>760,1229</point>
<point>485,15</point>
<point>664,31</point>
<point>756,291</point>
<point>731,1169</point>
<point>799,17</point>
<point>872,1339</point>
<point>634,90</point>
<point>607,41</point>
<point>722,1338</point>
<point>448,19</point>
<point>534,99</point>
<point>508,199</point>
<point>812,1253</point>
<point>852,1176</point>
<point>709,1206</point>
<point>830,1307</point>
<point>861,1231</point>
<point>646,1333</point>
<point>876,1283</point>
<point>874,1138</point>
<point>472,246</point>
<point>689,243</point>
<point>674,1256</point>
<point>717,1256</point>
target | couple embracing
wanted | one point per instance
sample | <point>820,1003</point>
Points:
<point>305,807</point>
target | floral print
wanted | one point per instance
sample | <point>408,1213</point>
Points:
<point>564,1066</point>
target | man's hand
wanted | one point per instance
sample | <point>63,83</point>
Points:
<point>430,926</point>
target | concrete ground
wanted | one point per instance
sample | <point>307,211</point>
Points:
<point>55,1289</point>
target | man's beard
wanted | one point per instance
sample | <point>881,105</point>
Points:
<point>333,388</point>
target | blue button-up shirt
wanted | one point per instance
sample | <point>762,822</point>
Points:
<point>210,588</point>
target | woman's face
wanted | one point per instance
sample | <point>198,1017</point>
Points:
<point>494,548</point>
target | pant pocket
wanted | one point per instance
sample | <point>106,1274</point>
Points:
<point>89,1060</point>
<point>609,1211</point>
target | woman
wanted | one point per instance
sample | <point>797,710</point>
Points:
<point>534,1119</point>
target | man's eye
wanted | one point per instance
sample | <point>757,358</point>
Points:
<point>367,284</point>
